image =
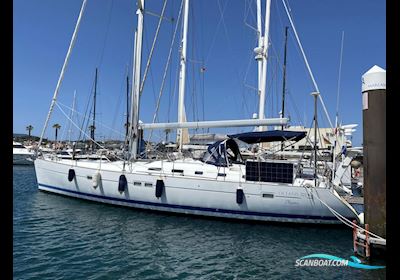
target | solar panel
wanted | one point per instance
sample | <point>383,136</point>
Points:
<point>276,172</point>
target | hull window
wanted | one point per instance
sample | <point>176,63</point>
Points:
<point>154,168</point>
<point>268,195</point>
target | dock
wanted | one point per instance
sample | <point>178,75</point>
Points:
<point>354,199</point>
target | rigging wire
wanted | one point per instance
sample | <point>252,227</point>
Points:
<point>148,64</point>
<point>119,102</point>
<point>150,69</point>
<point>304,65</point>
<point>244,103</point>
<point>215,33</point>
<point>102,51</point>
<point>71,116</point>
<point>193,85</point>
<point>304,121</point>
<point>86,111</point>
<point>229,44</point>
<point>152,47</point>
<point>248,11</point>
<point>59,104</point>
<point>347,221</point>
<point>62,111</point>
<point>170,71</point>
<point>337,100</point>
<point>307,64</point>
<point>198,74</point>
<point>203,69</point>
<point>91,102</point>
<point>106,34</point>
<point>61,77</point>
<point>166,71</point>
<point>274,76</point>
<point>296,109</point>
<point>269,87</point>
<point>338,84</point>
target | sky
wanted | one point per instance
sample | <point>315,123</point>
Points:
<point>221,70</point>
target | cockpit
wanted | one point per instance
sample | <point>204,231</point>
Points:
<point>223,153</point>
<point>226,152</point>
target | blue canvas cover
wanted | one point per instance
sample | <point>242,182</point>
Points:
<point>269,136</point>
<point>223,152</point>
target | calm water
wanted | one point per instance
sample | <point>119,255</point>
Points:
<point>57,237</point>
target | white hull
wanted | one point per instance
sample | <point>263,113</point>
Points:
<point>190,195</point>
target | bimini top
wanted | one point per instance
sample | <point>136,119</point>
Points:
<point>269,136</point>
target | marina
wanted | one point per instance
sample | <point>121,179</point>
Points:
<point>264,171</point>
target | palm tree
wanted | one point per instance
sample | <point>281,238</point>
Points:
<point>56,126</point>
<point>29,128</point>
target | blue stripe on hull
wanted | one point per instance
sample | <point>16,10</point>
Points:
<point>174,206</point>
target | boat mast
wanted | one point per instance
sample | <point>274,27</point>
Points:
<point>284,80</point>
<point>93,127</point>
<point>71,118</point>
<point>127,107</point>
<point>315,94</point>
<point>129,139</point>
<point>284,75</point>
<point>182,75</point>
<point>261,114</point>
<point>258,50</point>
<point>137,57</point>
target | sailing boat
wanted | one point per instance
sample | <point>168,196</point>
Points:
<point>221,184</point>
<point>22,155</point>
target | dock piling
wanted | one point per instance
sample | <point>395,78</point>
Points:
<point>374,146</point>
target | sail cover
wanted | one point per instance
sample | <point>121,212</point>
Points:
<point>269,136</point>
